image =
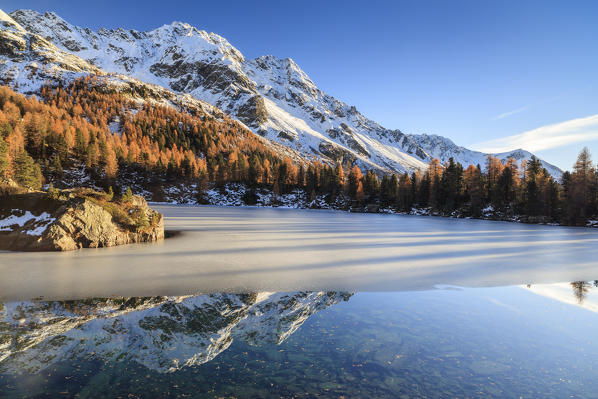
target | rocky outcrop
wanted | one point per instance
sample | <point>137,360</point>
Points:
<point>338,154</point>
<point>253,112</point>
<point>34,222</point>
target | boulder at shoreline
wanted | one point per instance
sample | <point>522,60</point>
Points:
<point>72,219</point>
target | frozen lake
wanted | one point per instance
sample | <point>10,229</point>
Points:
<point>273,303</point>
<point>226,249</point>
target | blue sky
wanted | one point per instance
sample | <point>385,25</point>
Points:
<point>488,75</point>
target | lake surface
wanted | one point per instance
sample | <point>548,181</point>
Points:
<point>259,303</point>
<point>262,249</point>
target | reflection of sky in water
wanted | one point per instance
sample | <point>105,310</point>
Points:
<point>449,342</point>
<point>579,293</point>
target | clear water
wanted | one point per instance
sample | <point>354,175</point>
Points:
<point>476,327</point>
<point>490,342</point>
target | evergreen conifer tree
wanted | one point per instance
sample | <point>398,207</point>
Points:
<point>27,172</point>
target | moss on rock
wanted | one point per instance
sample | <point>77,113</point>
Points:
<point>73,219</point>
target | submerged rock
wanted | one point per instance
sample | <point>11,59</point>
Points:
<point>36,222</point>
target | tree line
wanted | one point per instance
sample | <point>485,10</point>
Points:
<point>88,123</point>
<point>501,189</point>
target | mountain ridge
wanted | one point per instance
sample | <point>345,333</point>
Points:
<point>273,97</point>
<point>444,148</point>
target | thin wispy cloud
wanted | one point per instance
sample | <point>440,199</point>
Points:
<point>526,107</point>
<point>545,137</point>
<point>506,114</point>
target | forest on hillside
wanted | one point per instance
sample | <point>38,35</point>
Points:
<point>92,125</point>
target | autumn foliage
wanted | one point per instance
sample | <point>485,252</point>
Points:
<point>93,125</point>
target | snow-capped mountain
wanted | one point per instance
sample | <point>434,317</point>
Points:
<point>27,60</point>
<point>162,333</point>
<point>444,149</point>
<point>271,96</point>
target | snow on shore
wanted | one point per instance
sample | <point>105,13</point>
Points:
<point>38,223</point>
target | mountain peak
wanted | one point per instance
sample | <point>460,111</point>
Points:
<point>182,29</point>
<point>286,71</point>
<point>9,22</point>
<point>37,16</point>
<point>444,148</point>
<point>182,24</point>
<point>273,96</point>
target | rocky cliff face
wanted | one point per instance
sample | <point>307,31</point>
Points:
<point>162,333</point>
<point>33,222</point>
<point>272,96</point>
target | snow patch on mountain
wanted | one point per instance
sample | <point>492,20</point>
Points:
<point>271,96</point>
<point>444,149</point>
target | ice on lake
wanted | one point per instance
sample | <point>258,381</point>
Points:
<point>232,249</point>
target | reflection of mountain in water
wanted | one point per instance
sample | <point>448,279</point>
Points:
<point>162,333</point>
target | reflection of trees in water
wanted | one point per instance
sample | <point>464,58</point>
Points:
<point>580,290</point>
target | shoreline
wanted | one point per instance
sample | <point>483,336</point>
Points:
<point>415,212</point>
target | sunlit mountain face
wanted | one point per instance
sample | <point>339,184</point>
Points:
<point>160,333</point>
<point>273,97</point>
